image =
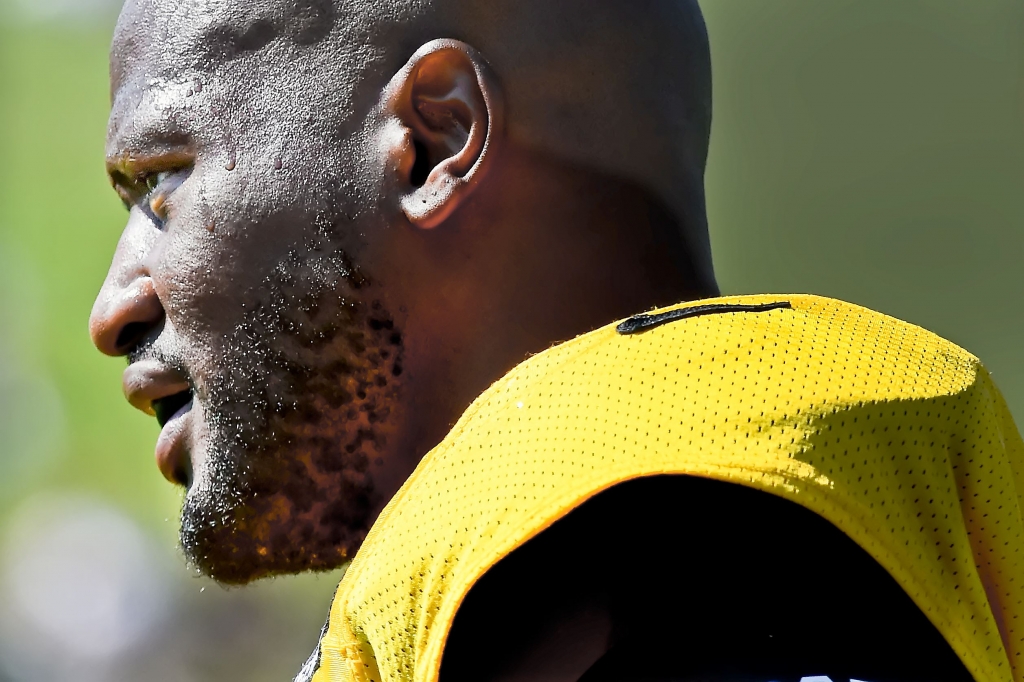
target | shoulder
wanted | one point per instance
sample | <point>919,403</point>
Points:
<point>793,395</point>
<point>796,350</point>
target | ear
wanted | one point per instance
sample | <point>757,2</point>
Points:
<point>449,109</point>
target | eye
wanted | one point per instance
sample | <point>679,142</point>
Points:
<point>158,188</point>
<point>154,180</point>
<point>150,189</point>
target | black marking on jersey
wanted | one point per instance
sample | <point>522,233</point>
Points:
<point>642,323</point>
<point>312,663</point>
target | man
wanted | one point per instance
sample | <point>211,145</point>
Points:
<point>348,219</point>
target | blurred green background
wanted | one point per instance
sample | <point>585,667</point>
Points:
<point>871,150</point>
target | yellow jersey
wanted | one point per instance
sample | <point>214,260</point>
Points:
<point>894,435</point>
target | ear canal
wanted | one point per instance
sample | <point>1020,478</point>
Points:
<point>449,103</point>
<point>421,166</point>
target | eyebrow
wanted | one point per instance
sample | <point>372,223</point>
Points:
<point>143,134</point>
<point>130,164</point>
<point>125,172</point>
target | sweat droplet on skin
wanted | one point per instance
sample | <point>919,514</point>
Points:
<point>278,164</point>
<point>231,164</point>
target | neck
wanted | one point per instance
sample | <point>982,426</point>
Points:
<point>544,253</point>
<point>567,251</point>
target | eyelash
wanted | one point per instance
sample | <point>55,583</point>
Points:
<point>146,192</point>
<point>154,180</point>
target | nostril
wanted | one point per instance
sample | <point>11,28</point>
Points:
<point>124,315</point>
<point>131,335</point>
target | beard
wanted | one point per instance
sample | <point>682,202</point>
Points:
<point>296,418</point>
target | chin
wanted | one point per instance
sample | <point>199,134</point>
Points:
<point>299,497</point>
<point>236,541</point>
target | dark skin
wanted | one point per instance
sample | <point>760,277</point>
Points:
<point>311,289</point>
<point>343,226</point>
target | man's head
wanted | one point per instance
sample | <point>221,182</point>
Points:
<point>348,218</point>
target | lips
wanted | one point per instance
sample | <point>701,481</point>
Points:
<point>165,393</point>
<point>169,407</point>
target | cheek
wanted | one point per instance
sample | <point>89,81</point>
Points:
<point>198,281</point>
<point>220,243</point>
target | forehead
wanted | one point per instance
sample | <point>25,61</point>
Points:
<point>290,71</point>
<point>168,37</point>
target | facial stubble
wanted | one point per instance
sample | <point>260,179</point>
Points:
<point>296,418</point>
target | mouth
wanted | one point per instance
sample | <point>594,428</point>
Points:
<point>167,394</point>
<point>172,413</point>
<point>167,408</point>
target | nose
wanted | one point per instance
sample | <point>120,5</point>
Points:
<point>122,319</point>
<point>127,309</point>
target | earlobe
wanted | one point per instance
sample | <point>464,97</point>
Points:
<point>450,108</point>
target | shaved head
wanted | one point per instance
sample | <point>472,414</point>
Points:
<point>346,219</point>
<point>618,86</point>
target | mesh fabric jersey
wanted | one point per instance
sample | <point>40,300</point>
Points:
<point>894,435</point>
